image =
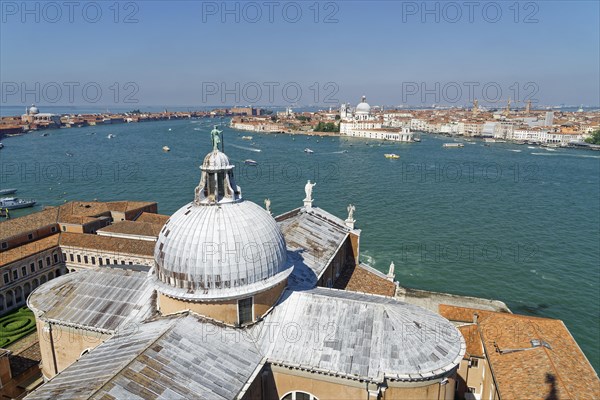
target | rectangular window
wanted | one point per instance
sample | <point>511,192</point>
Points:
<point>55,258</point>
<point>85,259</point>
<point>40,264</point>
<point>23,271</point>
<point>65,256</point>
<point>93,260</point>
<point>71,257</point>
<point>30,236</point>
<point>53,229</point>
<point>115,262</point>
<point>474,363</point>
<point>78,258</point>
<point>6,278</point>
<point>107,261</point>
<point>122,262</point>
<point>130,262</point>
<point>32,267</point>
<point>15,274</point>
<point>47,261</point>
<point>100,260</point>
<point>4,245</point>
<point>245,311</point>
<point>64,228</point>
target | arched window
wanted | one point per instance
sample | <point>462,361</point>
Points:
<point>299,396</point>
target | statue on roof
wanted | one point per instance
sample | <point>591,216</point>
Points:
<point>216,138</point>
<point>351,209</point>
<point>268,205</point>
<point>308,189</point>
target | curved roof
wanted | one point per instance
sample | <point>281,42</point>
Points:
<point>364,336</point>
<point>101,299</point>
<point>363,107</point>
<point>204,249</point>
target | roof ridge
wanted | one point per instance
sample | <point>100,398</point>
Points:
<point>556,372</point>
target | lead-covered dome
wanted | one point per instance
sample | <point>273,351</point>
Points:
<point>219,245</point>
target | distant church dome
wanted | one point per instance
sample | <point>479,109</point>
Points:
<point>219,245</point>
<point>363,108</point>
<point>33,110</point>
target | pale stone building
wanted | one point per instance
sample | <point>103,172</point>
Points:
<point>360,122</point>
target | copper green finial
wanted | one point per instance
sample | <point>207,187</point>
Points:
<point>216,138</point>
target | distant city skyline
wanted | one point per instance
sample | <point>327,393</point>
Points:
<point>411,53</point>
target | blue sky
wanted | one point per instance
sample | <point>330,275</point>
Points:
<point>182,53</point>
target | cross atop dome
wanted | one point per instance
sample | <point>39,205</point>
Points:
<point>217,183</point>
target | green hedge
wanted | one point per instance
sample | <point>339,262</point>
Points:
<point>15,325</point>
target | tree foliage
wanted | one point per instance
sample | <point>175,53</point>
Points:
<point>327,127</point>
<point>595,138</point>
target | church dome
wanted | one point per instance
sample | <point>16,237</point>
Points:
<point>363,107</point>
<point>219,245</point>
<point>33,110</point>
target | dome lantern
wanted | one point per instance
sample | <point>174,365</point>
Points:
<point>217,183</point>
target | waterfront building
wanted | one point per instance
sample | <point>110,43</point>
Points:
<point>239,304</point>
<point>34,118</point>
<point>246,111</point>
<point>360,122</point>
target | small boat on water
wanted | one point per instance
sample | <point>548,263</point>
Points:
<point>45,134</point>
<point>309,151</point>
<point>453,145</point>
<point>7,191</point>
<point>247,137</point>
<point>166,148</point>
<point>170,129</point>
<point>250,162</point>
<point>110,136</point>
<point>12,203</point>
<point>69,154</point>
<point>392,156</point>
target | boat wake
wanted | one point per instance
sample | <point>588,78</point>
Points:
<point>245,148</point>
<point>565,155</point>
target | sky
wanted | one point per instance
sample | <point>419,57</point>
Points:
<point>214,53</point>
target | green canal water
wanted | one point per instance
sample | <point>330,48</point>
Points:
<point>502,221</point>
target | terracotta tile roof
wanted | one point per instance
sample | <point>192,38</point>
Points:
<point>472,340</point>
<point>142,248</point>
<point>97,208</point>
<point>74,212</point>
<point>133,228</point>
<point>28,249</point>
<point>22,225</point>
<point>559,372</point>
<point>362,279</point>
<point>153,218</point>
